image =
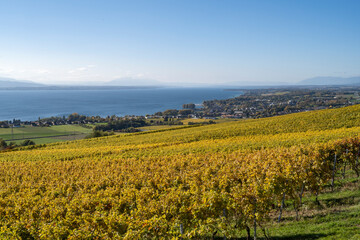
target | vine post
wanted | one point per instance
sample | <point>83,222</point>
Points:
<point>300,201</point>
<point>181,229</point>
<point>333,175</point>
<point>357,162</point>
<point>343,174</point>
<point>255,220</point>
<point>224,215</point>
<point>281,207</point>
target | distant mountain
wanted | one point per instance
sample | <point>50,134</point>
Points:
<point>331,81</point>
<point>12,83</point>
<point>253,84</point>
<point>138,82</point>
<point>133,82</point>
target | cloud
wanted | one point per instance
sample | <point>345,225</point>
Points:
<point>131,74</point>
<point>42,71</point>
<point>81,69</point>
<point>6,70</point>
<point>140,75</point>
<point>24,71</point>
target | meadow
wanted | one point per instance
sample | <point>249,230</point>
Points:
<point>41,135</point>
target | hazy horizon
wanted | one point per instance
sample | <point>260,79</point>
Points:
<point>179,42</point>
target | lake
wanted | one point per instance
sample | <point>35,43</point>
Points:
<point>32,104</point>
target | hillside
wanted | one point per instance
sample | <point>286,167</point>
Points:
<point>9,83</point>
<point>133,82</point>
<point>215,179</point>
<point>331,81</point>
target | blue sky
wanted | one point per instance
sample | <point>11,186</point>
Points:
<point>183,41</point>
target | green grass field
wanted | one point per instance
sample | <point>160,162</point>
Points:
<point>41,135</point>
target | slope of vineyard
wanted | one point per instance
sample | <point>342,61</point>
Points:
<point>189,181</point>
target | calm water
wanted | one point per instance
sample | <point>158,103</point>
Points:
<point>31,104</point>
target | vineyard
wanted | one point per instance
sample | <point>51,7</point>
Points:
<point>229,179</point>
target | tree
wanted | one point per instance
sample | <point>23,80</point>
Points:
<point>3,144</point>
<point>27,142</point>
<point>73,117</point>
<point>170,112</point>
<point>185,112</point>
<point>188,106</point>
<point>12,145</point>
<point>76,117</point>
<point>4,124</point>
